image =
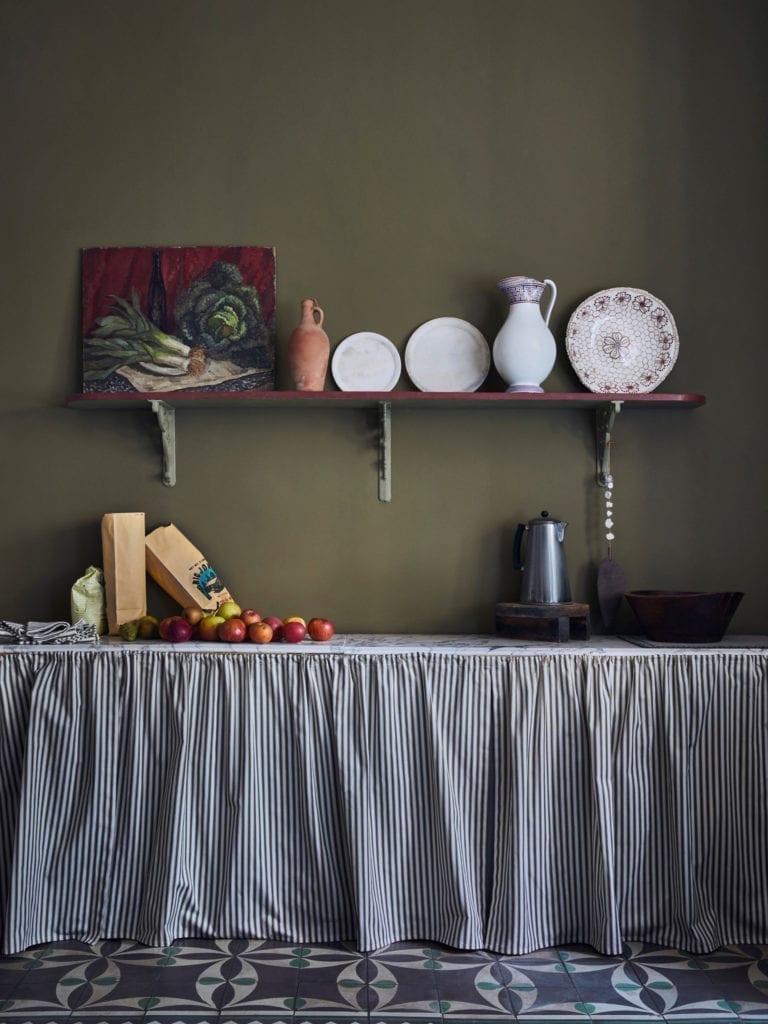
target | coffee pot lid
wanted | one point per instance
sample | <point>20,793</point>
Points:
<point>545,518</point>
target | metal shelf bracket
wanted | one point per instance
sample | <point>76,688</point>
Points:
<point>605,418</point>
<point>166,419</point>
<point>605,406</point>
<point>385,451</point>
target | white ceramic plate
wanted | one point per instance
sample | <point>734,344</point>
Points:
<point>447,354</point>
<point>623,340</point>
<point>366,362</point>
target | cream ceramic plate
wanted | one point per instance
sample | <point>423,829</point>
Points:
<point>366,362</point>
<point>622,340</point>
<point>447,354</point>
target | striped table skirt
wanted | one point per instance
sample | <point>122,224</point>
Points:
<point>506,801</point>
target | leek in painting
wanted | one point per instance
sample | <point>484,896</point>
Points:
<point>126,337</point>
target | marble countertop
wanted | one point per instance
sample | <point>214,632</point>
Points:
<point>395,643</point>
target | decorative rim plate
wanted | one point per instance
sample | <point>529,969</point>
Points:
<point>622,340</point>
<point>366,362</point>
<point>447,354</point>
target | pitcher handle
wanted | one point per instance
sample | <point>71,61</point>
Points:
<point>517,558</point>
<point>552,297</point>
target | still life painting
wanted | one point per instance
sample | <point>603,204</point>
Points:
<point>178,318</point>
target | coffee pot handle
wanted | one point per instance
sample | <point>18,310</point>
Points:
<point>552,297</point>
<point>517,562</point>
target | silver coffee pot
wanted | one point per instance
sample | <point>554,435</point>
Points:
<point>545,574</point>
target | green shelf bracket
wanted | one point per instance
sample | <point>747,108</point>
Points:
<point>166,419</point>
<point>605,419</point>
<point>606,408</point>
<point>385,451</point>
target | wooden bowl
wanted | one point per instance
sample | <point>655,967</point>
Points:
<point>682,616</point>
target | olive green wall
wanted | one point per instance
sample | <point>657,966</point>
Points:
<point>402,157</point>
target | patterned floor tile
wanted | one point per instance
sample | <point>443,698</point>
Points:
<point>231,975</point>
<point>74,978</point>
<point>333,978</point>
<point>485,988</point>
<point>608,988</point>
<point>250,1018</point>
<point>12,970</point>
<point>550,975</point>
<point>239,981</point>
<point>693,986</point>
<point>404,981</point>
<point>446,980</point>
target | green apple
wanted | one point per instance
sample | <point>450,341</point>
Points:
<point>229,610</point>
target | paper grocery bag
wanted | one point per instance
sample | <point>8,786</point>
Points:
<point>125,574</point>
<point>176,565</point>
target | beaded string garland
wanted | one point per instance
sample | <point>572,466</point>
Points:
<point>608,494</point>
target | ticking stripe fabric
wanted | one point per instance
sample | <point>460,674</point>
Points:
<point>507,802</point>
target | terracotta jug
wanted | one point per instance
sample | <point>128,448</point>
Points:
<point>309,349</point>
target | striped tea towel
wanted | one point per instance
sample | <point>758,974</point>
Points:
<point>49,632</point>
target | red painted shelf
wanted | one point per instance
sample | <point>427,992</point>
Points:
<point>363,399</point>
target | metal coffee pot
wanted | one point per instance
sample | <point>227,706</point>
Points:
<point>545,574</point>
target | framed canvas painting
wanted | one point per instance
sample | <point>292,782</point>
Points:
<point>178,318</point>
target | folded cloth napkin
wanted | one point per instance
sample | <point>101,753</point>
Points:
<point>79,632</point>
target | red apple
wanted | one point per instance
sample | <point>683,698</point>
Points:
<point>207,628</point>
<point>249,616</point>
<point>260,632</point>
<point>293,632</point>
<point>162,627</point>
<point>193,614</point>
<point>320,629</point>
<point>232,631</point>
<point>175,629</point>
<point>277,626</point>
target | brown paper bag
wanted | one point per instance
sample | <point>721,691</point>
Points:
<point>125,575</point>
<point>182,570</point>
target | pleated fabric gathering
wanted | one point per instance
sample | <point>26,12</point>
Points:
<point>483,802</point>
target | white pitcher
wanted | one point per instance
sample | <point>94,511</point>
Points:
<point>524,351</point>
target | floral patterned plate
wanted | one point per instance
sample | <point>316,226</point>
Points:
<point>622,340</point>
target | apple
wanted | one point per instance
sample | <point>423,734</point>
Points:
<point>249,616</point>
<point>175,629</point>
<point>232,631</point>
<point>320,629</point>
<point>207,628</point>
<point>229,610</point>
<point>293,631</point>
<point>295,618</point>
<point>193,614</point>
<point>277,626</point>
<point>260,632</point>
<point>162,627</point>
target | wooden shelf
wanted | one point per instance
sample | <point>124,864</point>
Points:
<point>367,399</point>
<point>165,403</point>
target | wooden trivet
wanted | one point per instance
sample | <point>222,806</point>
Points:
<point>556,623</point>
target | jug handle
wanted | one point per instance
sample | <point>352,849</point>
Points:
<point>517,562</point>
<point>552,297</point>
